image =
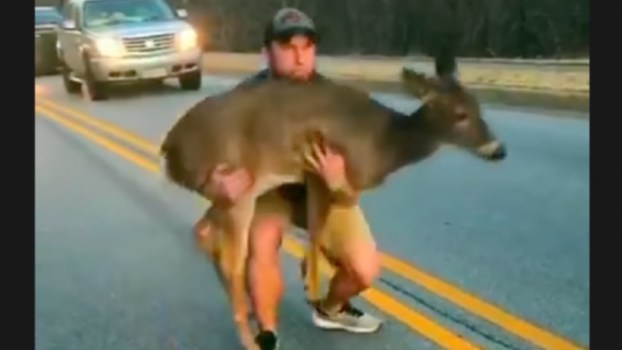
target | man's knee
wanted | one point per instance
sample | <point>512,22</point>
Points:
<point>364,264</point>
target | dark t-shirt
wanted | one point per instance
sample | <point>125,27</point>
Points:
<point>295,194</point>
<point>266,74</point>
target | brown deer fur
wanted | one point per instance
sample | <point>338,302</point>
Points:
<point>268,128</point>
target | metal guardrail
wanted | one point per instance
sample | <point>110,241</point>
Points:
<point>543,76</point>
<point>578,62</point>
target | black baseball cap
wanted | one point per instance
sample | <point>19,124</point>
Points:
<point>288,22</point>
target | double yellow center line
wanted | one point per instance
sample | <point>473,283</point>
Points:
<point>78,123</point>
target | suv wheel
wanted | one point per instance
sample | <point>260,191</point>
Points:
<point>71,86</point>
<point>92,89</point>
<point>191,81</point>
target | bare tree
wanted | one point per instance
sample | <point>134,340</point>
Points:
<point>501,28</point>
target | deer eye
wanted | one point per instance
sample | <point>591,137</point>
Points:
<point>461,115</point>
<point>460,112</point>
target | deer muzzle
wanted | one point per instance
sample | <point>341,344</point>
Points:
<point>493,151</point>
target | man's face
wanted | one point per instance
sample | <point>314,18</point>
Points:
<point>293,58</point>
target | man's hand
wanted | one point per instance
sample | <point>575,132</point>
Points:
<point>228,184</point>
<point>330,165</point>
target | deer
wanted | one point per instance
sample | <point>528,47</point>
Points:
<point>270,130</point>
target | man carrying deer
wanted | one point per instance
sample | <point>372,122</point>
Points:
<point>290,47</point>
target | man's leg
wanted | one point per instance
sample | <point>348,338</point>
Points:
<point>265,280</point>
<point>346,237</point>
<point>349,242</point>
<point>265,274</point>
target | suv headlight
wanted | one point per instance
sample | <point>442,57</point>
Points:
<point>187,39</point>
<point>109,47</point>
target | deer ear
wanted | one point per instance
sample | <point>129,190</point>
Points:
<point>445,67</point>
<point>446,48</point>
<point>415,83</point>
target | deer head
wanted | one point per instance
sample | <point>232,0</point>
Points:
<point>450,111</point>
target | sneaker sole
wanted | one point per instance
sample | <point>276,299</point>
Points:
<point>325,324</point>
<point>276,347</point>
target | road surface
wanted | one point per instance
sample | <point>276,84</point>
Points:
<point>481,255</point>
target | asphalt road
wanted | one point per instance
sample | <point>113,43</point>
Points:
<point>494,254</point>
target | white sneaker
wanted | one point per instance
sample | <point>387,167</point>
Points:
<point>348,318</point>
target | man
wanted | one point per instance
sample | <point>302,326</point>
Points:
<point>290,48</point>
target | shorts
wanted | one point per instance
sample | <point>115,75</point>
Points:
<point>343,224</point>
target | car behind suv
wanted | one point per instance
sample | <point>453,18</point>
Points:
<point>47,20</point>
<point>106,42</point>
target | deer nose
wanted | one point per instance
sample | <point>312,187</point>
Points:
<point>498,153</point>
<point>493,150</point>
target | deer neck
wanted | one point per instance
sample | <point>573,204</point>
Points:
<point>410,140</point>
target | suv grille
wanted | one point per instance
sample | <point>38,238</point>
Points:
<point>45,29</point>
<point>151,43</point>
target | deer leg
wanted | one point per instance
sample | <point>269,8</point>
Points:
<point>317,206</point>
<point>321,259</point>
<point>210,239</point>
<point>232,261</point>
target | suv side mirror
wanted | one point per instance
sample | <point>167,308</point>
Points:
<point>68,24</point>
<point>182,13</point>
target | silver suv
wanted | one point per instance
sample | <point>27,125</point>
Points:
<point>105,42</point>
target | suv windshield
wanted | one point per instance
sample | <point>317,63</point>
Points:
<point>114,12</point>
<point>46,16</point>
